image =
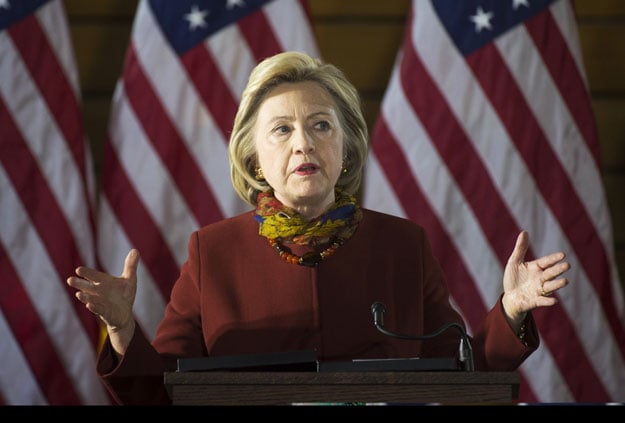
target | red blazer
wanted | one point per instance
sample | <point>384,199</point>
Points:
<point>235,295</point>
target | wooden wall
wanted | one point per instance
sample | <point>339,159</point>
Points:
<point>362,38</point>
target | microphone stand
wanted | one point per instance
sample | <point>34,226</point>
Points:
<point>466,351</point>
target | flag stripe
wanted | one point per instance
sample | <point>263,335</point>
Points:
<point>193,122</point>
<point>458,153</point>
<point>228,51</point>
<point>559,127</point>
<point>144,167</point>
<point>139,225</point>
<point>562,67</point>
<point>52,83</point>
<point>571,147</point>
<point>24,249</point>
<point>14,302</point>
<point>211,87</point>
<point>42,66</point>
<point>33,190</point>
<point>33,228</point>
<point>60,95</point>
<point>290,23</point>
<point>27,392</point>
<point>167,143</point>
<point>76,351</point>
<point>256,23</point>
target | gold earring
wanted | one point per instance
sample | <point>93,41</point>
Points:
<point>258,174</point>
<point>344,168</point>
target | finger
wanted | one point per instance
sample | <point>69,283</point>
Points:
<point>553,286</point>
<point>81,284</point>
<point>92,302</point>
<point>93,275</point>
<point>95,308</point>
<point>131,263</point>
<point>520,248</point>
<point>86,299</point>
<point>546,301</point>
<point>549,260</point>
<point>555,270</point>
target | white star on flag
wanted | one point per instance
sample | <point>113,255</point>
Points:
<point>232,3</point>
<point>196,18</point>
<point>481,19</point>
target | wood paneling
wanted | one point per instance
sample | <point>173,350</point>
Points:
<point>100,51</point>
<point>602,39</point>
<point>365,52</point>
<point>599,9</point>
<point>96,112</point>
<point>610,117</point>
<point>101,9</point>
<point>603,57</point>
<point>333,9</point>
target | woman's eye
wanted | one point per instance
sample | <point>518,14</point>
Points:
<point>282,129</point>
<point>323,125</point>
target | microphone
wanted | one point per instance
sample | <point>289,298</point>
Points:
<point>466,351</point>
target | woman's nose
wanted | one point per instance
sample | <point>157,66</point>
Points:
<point>303,143</point>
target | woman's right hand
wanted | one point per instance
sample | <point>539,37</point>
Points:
<point>110,298</point>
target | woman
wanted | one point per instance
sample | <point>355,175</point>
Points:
<point>301,271</point>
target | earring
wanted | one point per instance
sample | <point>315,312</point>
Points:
<point>258,174</point>
<point>344,168</point>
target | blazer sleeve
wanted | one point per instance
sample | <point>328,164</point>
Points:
<point>497,347</point>
<point>137,377</point>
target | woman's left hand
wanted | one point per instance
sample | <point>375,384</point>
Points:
<point>528,285</point>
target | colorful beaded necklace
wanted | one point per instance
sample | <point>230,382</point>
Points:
<point>310,259</point>
<point>280,224</point>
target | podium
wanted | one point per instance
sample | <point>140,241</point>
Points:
<point>355,388</point>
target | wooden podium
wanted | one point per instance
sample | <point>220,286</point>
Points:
<point>358,388</point>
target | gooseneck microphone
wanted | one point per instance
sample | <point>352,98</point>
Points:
<point>466,351</point>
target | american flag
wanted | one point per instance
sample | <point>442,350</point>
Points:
<point>165,170</point>
<point>47,338</point>
<point>486,128</point>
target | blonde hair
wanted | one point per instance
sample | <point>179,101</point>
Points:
<point>293,67</point>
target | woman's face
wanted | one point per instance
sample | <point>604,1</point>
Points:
<point>299,143</point>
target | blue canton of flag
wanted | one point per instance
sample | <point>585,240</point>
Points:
<point>475,23</point>
<point>11,12</point>
<point>203,18</point>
